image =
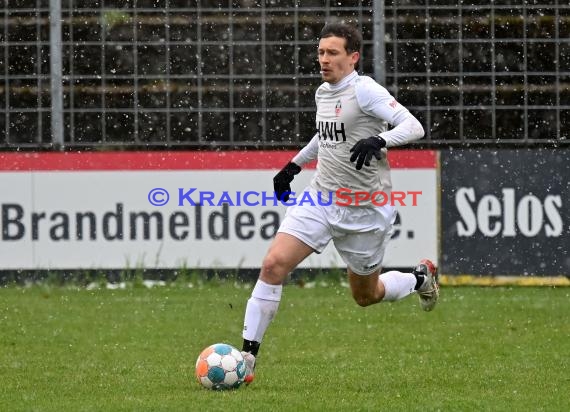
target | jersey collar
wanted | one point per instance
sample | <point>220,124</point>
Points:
<point>344,82</point>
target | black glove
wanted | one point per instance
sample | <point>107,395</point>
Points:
<point>282,181</point>
<point>364,149</point>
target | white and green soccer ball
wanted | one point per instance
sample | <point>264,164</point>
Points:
<point>220,366</point>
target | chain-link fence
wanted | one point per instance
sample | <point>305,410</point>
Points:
<point>242,73</point>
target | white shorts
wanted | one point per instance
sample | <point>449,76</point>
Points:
<point>360,235</point>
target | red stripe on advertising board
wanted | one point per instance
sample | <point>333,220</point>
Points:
<point>184,160</point>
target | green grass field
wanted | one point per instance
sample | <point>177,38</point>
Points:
<point>64,349</point>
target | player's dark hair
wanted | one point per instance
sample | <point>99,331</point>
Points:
<point>350,33</point>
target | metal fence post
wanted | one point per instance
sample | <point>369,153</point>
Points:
<point>379,46</point>
<point>56,74</point>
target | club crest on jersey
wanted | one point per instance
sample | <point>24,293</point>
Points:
<point>337,108</point>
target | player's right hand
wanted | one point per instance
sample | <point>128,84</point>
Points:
<point>282,181</point>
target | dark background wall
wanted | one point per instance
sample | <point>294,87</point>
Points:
<point>242,73</point>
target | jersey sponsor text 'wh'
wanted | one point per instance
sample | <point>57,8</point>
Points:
<point>331,130</point>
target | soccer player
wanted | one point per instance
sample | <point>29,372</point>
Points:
<point>350,147</point>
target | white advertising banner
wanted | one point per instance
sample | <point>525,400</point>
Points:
<point>141,214</point>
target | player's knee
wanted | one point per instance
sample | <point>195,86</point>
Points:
<point>364,299</point>
<point>273,269</point>
<point>271,263</point>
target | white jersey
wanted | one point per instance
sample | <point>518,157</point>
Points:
<point>355,108</point>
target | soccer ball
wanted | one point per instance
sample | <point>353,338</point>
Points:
<point>220,366</point>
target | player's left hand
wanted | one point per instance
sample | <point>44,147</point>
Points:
<point>364,149</point>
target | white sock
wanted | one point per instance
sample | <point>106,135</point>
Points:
<point>397,285</point>
<point>260,310</point>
